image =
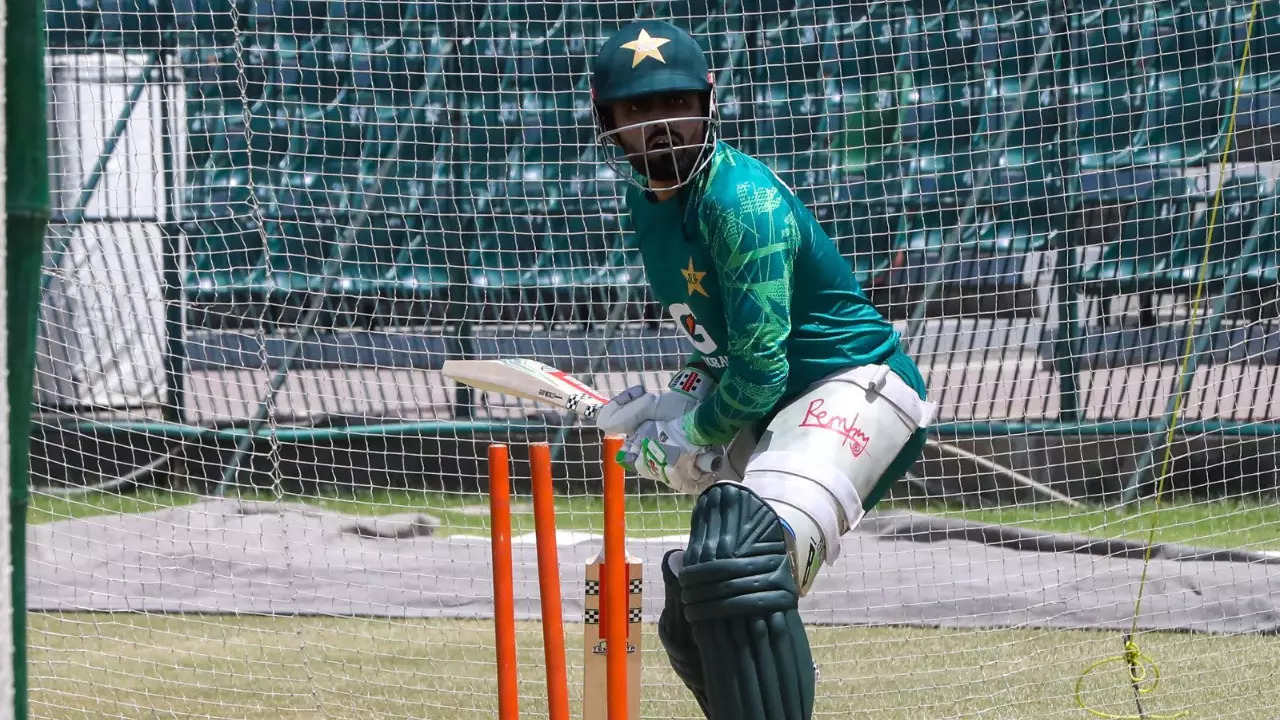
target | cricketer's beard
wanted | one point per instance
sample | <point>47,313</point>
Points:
<point>673,164</point>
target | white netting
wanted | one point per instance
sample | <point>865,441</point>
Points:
<point>275,219</point>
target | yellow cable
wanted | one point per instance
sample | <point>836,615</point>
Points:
<point>1134,659</point>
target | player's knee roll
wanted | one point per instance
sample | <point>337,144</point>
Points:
<point>740,600</point>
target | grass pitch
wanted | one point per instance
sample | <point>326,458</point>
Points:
<point>294,668</point>
<point>1239,524</point>
<point>144,666</point>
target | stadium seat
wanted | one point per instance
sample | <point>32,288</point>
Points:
<point>368,274</point>
<point>226,260</point>
<point>382,70</point>
<point>789,53</point>
<point>870,48</point>
<point>932,228</point>
<point>68,23</point>
<point>1009,38</point>
<point>864,234</point>
<point>212,73</point>
<point>202,23</point>
<point>788,119</point>
<point>1263,69</point>
<point>303,70</point>
<point>373,18</point>
<point>312,190</point>
<point>937,120</point>
<point>1178,36</point>
<point>510,268</point>
<point>127,25</point>
<point>303,261</point>
<point>1011,229</point>
<point>1185,118</point>
<point>1024,203</point>
<point>598,259</point>
<point>1106,117</point>
<point>933,178</point>
<point>321,132</point>
<point>297,18</point>
<point>1236,220</point>
<point>1261,272</point>
<point>1012,41</point>
<point>1150,231</point>
<point>943,48</point>
<point>1104,42</point>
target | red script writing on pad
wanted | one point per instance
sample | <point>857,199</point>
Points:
<point>847,428</point>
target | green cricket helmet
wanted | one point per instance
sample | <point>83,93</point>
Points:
<point>652,57</point>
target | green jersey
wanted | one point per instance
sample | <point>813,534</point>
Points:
<point>762,293</point>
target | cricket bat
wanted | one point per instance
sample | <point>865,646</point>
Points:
<point>532,380</point>
<point>528,379</point>
<point>595,647</point>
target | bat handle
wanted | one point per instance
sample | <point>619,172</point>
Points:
<point>710,461</point>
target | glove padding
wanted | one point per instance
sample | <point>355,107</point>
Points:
<point>660,450</point>
<point>623,414</point>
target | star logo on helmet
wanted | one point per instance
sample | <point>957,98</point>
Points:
<point>646,46</point>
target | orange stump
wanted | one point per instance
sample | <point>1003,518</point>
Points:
<point>544,520</point>
<point>613,591</point>
<point>504,604</point>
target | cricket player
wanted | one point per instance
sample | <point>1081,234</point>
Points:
<point>796,381</point>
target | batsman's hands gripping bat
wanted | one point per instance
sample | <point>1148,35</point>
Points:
<point>659,450</point>
<point>532,380</point>
<point>625,412</point>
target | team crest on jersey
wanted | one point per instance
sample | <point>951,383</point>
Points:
<point>693,280</point>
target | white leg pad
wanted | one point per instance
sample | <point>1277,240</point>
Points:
<point>827,450</point>
<point>819,490</point>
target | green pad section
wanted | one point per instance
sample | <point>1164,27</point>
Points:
<point>741,603</point>
<point>677,637</point>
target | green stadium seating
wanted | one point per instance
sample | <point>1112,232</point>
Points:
<point>211,73</point>
<point>510,268</point>
<point>302,257</point>
<point>1261,271</point>
<point>1107,115</point>
<point>788,118</point>
<point>1178,36</point>
<point>68,23</point>
<point>202,23</point>
<point>868,48</point>
<point>228,263</point>
<point>1263,69</point>
<point>1150,231</point>
<point>943,48</point>
<point>1236,220</point>
<point>303,70</point>
<point>127,25</point>
<point>374,18</point>
<point>485,106</point>
<point>297,18</point>
<point>1025,201</point>
<point>1104,41</point>
<point>862,231</point>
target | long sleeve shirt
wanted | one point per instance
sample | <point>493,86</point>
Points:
<point>762,293</point>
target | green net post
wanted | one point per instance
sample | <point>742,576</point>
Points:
<point>27,207</point>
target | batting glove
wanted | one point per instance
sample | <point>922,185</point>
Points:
<point>626,411</point>
<point>659,450</point>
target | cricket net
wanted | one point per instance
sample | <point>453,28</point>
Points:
<point>274,220</point>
